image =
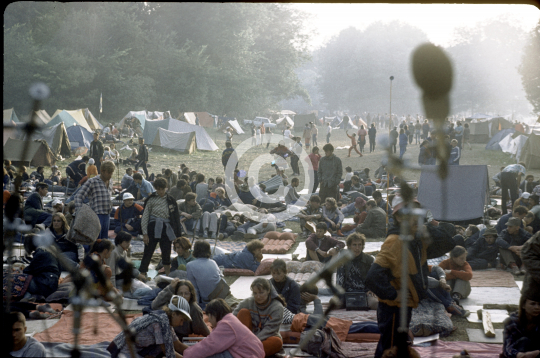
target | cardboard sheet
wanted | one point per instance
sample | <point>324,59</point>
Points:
<point>477,335</point>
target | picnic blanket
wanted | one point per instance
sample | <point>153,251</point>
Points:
<point>493,278</point>
<point>98,350</point>
<point>355,316</point>
<point>450,348</point>
<point>95,328</point>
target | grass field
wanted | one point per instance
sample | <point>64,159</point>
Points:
<point>209,163</point>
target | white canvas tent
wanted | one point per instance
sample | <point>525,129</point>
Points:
<point>181,142</point>
<point>236,126</point>
<point>190,117</point>
<point>512,145</point>
<point>203,140</point>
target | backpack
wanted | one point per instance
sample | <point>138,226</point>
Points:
<point>324,344</point>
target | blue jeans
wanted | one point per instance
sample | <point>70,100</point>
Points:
<point>245,227</point>
<point>335,220</point>
<point>402,150</point>
<point>45,219</point>
<point>349,209</point>
<point>104,220</point>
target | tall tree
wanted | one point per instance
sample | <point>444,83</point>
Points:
<point>530,69</point>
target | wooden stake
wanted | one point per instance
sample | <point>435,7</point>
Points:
<point>488,325</point>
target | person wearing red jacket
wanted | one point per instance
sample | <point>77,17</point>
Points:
<point>458,272</point>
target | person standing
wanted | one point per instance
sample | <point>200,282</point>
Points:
<point>328,132</point>
<point>253,135</point>
<point>142,157</point>
<point>160,224</point>
<point>372,133</point>
<point>455,153</point>
<point>346,121</point>
<point>458,133</point>
<point>403,139</point>
<point>227,155</point>
<point>99,191</point>
<point>353,143</point>
<point>393,139</point>
<point>228,135</point>
<point>425,129</point>
<point>287,136</point>
<point>96,151</point>
<point>466,135</point>
<point>268,133</point>
<point>417,131</point>
<point>329,173</point>
<point>307,136</point>
<point>510,179</point>
<point>362,138</point>
<point>314,134</point>
<point>315,157</point>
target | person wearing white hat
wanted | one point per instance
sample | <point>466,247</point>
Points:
<point>128,216</point>
<point>154,332</point>
<point>523,200</point>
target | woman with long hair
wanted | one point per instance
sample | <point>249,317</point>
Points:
<point>229,337</point>
<point>59,228</point>
<point>522,329</point>
<point>262,314</point>
<point>185,289</point>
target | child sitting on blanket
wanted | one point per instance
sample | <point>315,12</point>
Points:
<point>117,260</point>
<point>458,273</point>
<point>285,286</point>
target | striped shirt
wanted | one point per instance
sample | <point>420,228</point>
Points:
<point>155,206</point>
<point>98,193</point>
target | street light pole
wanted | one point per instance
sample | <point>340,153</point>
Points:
<point>389,150</point>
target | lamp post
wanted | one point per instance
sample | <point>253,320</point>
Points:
<point>389,150</point>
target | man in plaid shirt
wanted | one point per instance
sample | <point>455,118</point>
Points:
<point>98,190</point>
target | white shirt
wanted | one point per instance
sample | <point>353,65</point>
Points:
<point>348,176</point>
<point>287,133</point>
<point>328,129</point>
<point>256,192</point>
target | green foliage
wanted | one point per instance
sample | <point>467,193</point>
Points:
<point>236,59</point>
<point>530,69</point>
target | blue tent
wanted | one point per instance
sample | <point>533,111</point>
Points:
<point>493,143</point>
<point>151,128</point>
<point>79,137</point>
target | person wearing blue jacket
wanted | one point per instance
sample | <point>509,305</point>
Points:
<point>249,258</point>
<point>403,140</point>
<point>455,153</point>
<point>286,286</point>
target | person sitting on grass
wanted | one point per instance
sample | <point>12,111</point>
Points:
<point>145,187</point>
<point>122,243</point>
<point>44,268</point>
<point>510,241</point>
<point>101,251</point>
<point>229,337</point>
<point>321,247</point>
<point>374,225</point>
<point>311,215</point>
<point>483,253</point>
<point>249,258</point>
<point>521,335</point>
<point>154,332</point>
<point>128,216</point>
<point>291,197</point>
<point>185,289</point>
<point>458,273</point>
<point>333,216</point>
<point>190,212</point>
<point>285,286</point>
<point>351,276</point>
<point>439,291</point>
<point>262,314</point>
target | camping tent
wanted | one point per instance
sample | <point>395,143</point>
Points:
<point>79,137</point>
<point>41,117</point>
<point>205,119</point>
<point>70,118</point>
<point>15,131</point>
<point>91,120</point>
<point>530,153</point>
<point>181,142</point>
<point>513,144</point>
<point>140,115</point>
<point>300,120</point>
<point>235,126</point>
<point>36,152</point>
<point>479,132</point>
<point>9,115</point>
<point>190,117</point>
<point>466,188</point>
<point>497,124</point>
<point>478,116</point>
<point>57,139</point>
<point>151,128</point>
<point>493,143</point>
<point>203,140</point>
<point>284,122</point>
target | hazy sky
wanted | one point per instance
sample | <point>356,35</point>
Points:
<point>438,21</point>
